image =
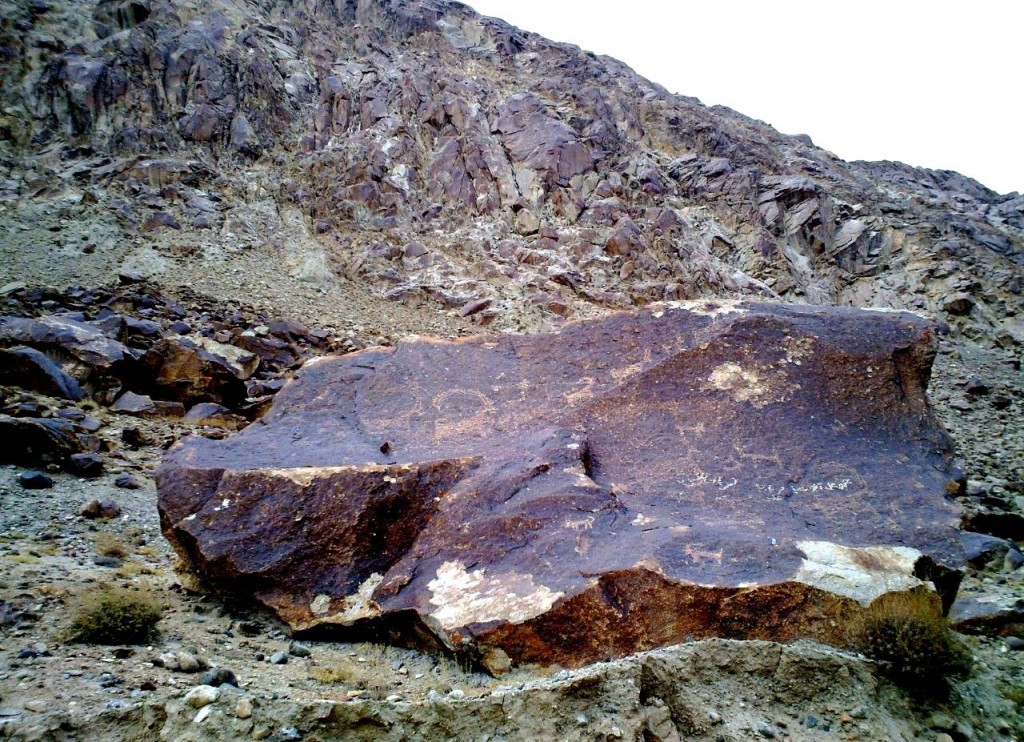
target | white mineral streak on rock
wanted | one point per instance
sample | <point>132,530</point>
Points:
<point>464,597</point>
<point>858,573</point>
<point>704,307</point>
<point>360,604</point>
<point>891,310</point>
<point>305,476</point>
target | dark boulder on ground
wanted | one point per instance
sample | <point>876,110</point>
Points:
<point>32,370</point>
<point>36,441</point>
<point>85,464</point>
<point>35,480</point>
<point>742,470</point>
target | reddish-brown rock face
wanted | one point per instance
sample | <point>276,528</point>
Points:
<point>740,470</point>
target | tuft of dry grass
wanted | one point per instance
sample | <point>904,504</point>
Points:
<point>332,675</point>
<point>911,640</point>
<point>115,616</point>
<point>110,545</point>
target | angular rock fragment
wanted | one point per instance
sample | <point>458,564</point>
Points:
<point>142,405</point>
<point>215,415</point>
<point>744,470</point>
<point>196,369</point>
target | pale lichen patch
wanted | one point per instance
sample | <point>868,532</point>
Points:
<point>859,573</point>
<point>744,385</point>
<point>320,605</point>
<point>463,597</point>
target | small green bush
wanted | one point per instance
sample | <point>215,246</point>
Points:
<point>116,617</point>
<point>910,639</point>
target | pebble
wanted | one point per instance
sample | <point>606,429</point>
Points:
<point>203,713</point>
<point>295,649</point>
<point>1014,642</point>
<point>766,730</point>
<point>189,663</point>
<point>37,706</point>
<point>279,658</point>
<point>85,464</point>
<point>202,695</point>
<point>35,480</point>
<point>943,737</point>
<point>100,509</point>
<point>127,481</point>
<point>243,709</point>
<point>219,676</point>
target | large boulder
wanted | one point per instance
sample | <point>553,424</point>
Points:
<point>746,470</point>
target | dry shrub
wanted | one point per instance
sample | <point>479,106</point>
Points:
<point>115,616</point>
<point>110,545</point>
<point>331,675</point>
<point>910,639</point>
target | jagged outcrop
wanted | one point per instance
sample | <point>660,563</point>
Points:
<point>747,470</point>
<point>528,173</point>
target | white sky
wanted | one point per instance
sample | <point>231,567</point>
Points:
<point>932,83</point>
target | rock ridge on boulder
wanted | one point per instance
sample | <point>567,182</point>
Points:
<point>735,469</point>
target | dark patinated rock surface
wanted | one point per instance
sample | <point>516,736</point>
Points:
<point>711,469</point>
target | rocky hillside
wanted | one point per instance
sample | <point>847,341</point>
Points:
<point>217,191</point>
<point>442,158</point>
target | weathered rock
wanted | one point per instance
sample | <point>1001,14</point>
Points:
<point>85,464</point>
<point>195,369</point>
<point>747,470</point>
<point>79,340</point>
<point>982,551</point>
<point>141,405</point>
<point>127,481</point>
<point>30,369</point>
<point>215,415</point>
<point>35,480</point>
<point>32,441</point>
<point>996,612</point>
<point>202,695</point>
<point>100,509</point>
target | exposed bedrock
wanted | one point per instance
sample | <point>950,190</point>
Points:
<point>745,470</point>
